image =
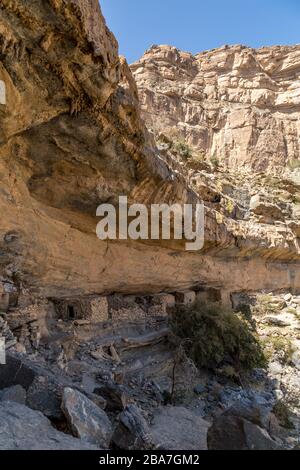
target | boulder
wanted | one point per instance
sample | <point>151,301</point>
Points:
<point>133,432</point>
<point>258,438</point>
<point>241,428</point>
<point>199,389</point>
<point>44,389</point>
<point>171,428</point>
<point>97,399</point>
<point>45,395</point>
<point>15,393</point>
<point>85,419</point>
<point>177,428</point>
<point>280,320</point>
<point>26,429</point>
<point>115,396</point>
<point>288,297</point>
<point>16,372</point>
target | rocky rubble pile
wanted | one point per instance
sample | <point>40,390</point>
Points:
<point>126,386</point>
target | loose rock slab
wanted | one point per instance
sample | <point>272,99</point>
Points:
<point>133,432</point>
<point>86,419</point>
<point>177,428</point>
<point>15,393</point>
<point>26,429</point>
<point>240,428</point>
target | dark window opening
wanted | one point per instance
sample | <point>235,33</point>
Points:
<point>71,312</point>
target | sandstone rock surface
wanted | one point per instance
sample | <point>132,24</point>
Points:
<point>239,104</point>
<point>221,127</point>
<point>72,137</point>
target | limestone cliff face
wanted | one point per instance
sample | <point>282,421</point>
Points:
<point>237,104</point>
<point>71,137</point>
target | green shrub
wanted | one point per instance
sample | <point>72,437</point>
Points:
<point>213,336</point>
<point>183,149</point>
<point>214,161</point>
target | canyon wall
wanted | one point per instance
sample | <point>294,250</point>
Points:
<point>72,137</point>
<point>239,104</point>
<point>86,323</point>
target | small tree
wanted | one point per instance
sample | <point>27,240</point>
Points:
<point>214,336</point>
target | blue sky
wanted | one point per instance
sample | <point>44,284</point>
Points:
<point>196,25</point>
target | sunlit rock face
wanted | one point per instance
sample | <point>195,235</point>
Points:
<point>72,137</point>
<point>232,117</point>
<point>77,313</point>
<point>238,104</point>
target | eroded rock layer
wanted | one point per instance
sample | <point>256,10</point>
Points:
<point>89,327</point>
<point>71,137</point>
<point>238,104</point>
